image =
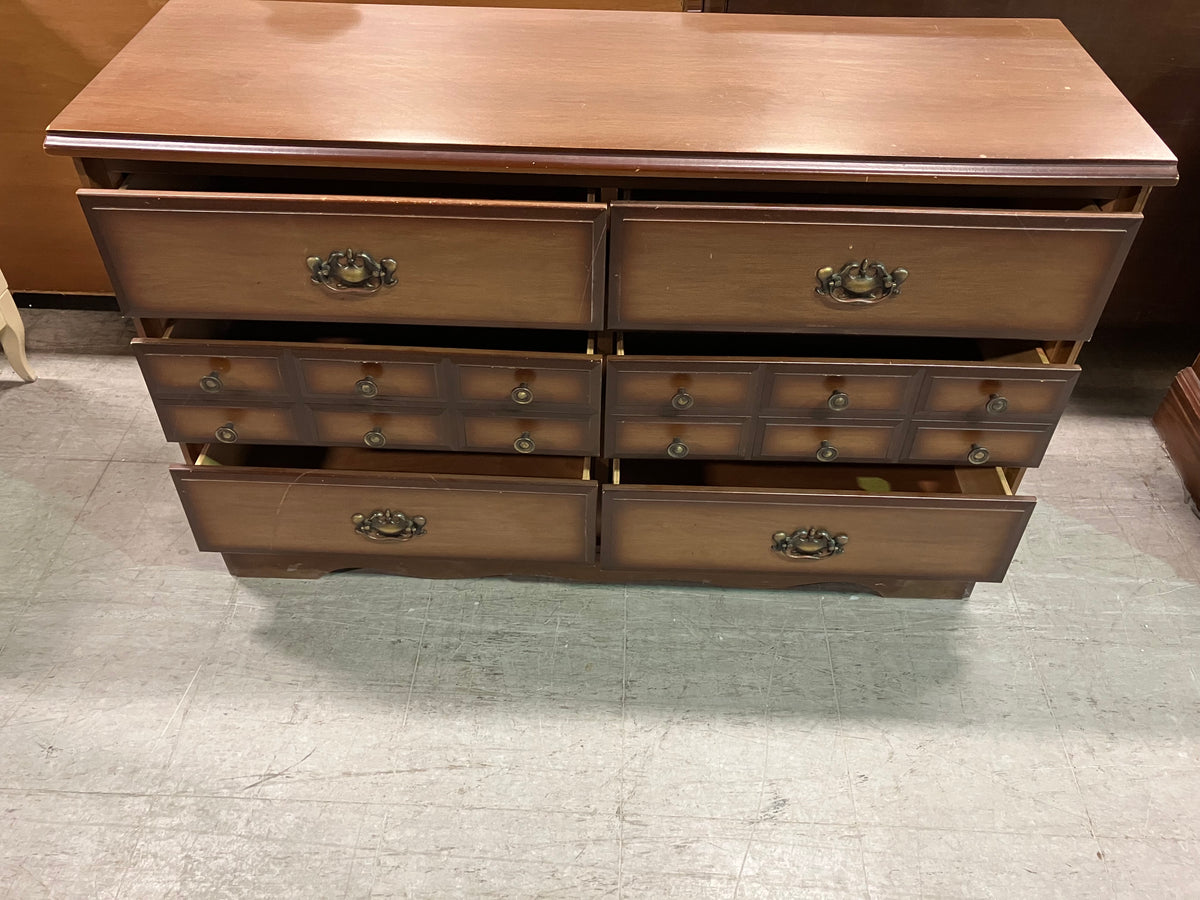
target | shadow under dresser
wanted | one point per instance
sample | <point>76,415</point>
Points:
<point>609,296</point>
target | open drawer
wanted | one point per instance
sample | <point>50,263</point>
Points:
<point>534,372</point>
<point>839,521</point>
<point>836,377</point>
<point>763,267</point>
<point>282,500</point>
<point>499,263</point>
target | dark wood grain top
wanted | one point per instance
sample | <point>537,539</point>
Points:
<point>604,93</point>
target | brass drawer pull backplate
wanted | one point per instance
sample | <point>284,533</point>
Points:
<point>860,283</point>
<point>388,525</point>
<point>808,543</point>
<point>349,270</point>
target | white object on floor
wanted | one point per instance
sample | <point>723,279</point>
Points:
<point>12,333</point>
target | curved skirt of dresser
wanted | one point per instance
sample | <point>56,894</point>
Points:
<point>262,565</point>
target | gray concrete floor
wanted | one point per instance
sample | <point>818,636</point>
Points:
<point>168,731</point>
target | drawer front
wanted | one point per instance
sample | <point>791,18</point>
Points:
<point>247,256</point>
<point>379,429</point>
<point>820,442</point>
<point>1018,274</point>
<point>1000,395</point>
<point>689,530</point>
<point>244,510</point>
<point>666,386</point>
<point>561,437</point>
<point>209,375</point>
<point>638,436</point>
<point>380,381</point>
<point>533,387</point>
<point>838,391</point>
<point>229,424</point>
<point>948,442</point>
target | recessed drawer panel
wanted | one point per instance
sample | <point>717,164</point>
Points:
<point>844,391</point>
<point>352,379</point>
<point>1001,395</point>
<point>351,259</point>
<point>218,373</point>
<point>821,442</point>
<point>435,514</point>
<point>578,436</point>
<point>378,429</point>
<point>642,436</point>
<point>682,386</point>
<point>1016,274</point>
<point>948,442</point>
<point>838,522</point>
<point>228,424</point>
<point>533,387</point>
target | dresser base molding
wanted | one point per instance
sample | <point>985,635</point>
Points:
<point>259,565</point>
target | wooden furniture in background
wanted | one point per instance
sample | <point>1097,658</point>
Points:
<point>539,313</point>
<point>1178,423</point>
<point>12,334</point>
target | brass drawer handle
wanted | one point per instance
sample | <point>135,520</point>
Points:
<point>677,449</point>
<point>226,434</point>
<point>683,400</point>
<point>524,444</point>
<point>388,525</point>
<point>375,439</point>
<point>349,270</point>
<point>211,383</point>
<point>367,387</point>
<point>860,283</point>
<point>827,452</point>
<point>839,400</point>
<point>997,404</point>
<point>978,455</point>
<point>522,394</point>
<point>808,543</point>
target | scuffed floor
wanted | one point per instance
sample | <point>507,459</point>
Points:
<point>168,731</point>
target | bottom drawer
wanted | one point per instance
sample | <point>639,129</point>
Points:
<point>840,522</point>
<point>245,499</point>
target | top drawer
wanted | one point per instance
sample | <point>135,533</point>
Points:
<point>1014,274</point>
<point>275,256</point>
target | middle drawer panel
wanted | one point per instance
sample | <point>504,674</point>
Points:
<point>345,393</point>
<point>999,410</point>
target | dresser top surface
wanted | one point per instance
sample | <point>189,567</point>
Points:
<point>612,93</point>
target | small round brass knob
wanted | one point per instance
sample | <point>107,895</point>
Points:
<point>839,400</point>
<point>524,444</point>
<point>683,400</point>
<point>211,383</point>
<point>367,387</point>
<point>522,394</point>
<point>677,449</point>
<point>997,404</point>
<point>827,452</point>
<point>226,434</point>
<point>978,455</point>
<point>375,439</point>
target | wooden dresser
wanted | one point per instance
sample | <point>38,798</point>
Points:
<point>756,301</point>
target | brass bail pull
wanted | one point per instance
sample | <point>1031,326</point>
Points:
<point>862,283</point>
<point>808,543</point>
<point>350,271</point>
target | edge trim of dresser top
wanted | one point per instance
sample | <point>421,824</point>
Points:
<point>600,164</point>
